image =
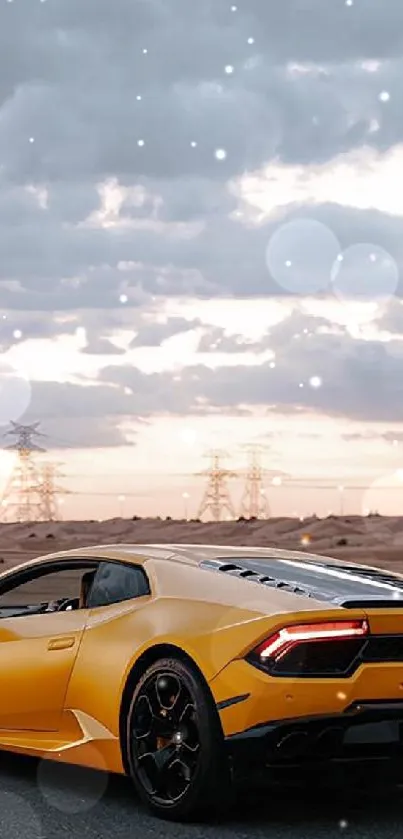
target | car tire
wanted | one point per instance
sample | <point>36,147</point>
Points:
<point>175,745</point>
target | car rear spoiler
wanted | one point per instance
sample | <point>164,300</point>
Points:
<point>371,603</point>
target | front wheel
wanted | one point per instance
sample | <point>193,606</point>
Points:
<point>174,743</point>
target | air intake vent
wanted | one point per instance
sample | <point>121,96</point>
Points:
<point>246,573</point>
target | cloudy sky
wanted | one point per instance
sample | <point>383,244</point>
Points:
<point>200,247</point>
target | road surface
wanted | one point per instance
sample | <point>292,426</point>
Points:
<point>41,800</point>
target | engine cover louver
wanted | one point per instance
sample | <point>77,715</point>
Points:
<point>347,586</point>
<point>253,576</point>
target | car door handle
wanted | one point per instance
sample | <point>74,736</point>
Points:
<point>61,643</point>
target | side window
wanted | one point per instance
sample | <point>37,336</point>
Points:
<point>30,591</point>
<point>115,582</point>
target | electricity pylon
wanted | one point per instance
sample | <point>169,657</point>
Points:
<point>216,499</point>
<point>254,503</point>
<point>48,491</point>
<point>21,500</point>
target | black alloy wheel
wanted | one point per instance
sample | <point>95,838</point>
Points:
<point>174,743</point>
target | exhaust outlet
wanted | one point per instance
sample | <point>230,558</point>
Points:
<point>329,741</point>
<point>292,744</point>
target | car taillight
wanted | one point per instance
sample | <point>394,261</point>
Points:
<point>282,641</point>
<point>307,649</point>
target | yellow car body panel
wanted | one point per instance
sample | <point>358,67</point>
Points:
<point>281,699</point>
<point>32,697</point>
<point>63,674</point>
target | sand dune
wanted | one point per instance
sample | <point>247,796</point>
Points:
<point>375,540</point>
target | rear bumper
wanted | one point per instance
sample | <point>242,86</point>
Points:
<point>366,735</point>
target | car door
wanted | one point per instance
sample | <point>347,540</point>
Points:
<point>37,656</point>
<point>120,590</point>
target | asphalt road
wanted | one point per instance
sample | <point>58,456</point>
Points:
<point>41,800</point>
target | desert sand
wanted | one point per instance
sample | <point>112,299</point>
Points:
<point>374,540</point>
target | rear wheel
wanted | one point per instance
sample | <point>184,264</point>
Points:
<point>174,743</point>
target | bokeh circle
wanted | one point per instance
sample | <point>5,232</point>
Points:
<point>365,273</point>
<point>300,256</point>
<point>71,789</point>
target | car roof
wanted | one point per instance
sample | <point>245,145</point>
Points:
<point>191,554</point>
<point>280,572</point>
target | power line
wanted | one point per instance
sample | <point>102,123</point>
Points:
<point>334,487</point>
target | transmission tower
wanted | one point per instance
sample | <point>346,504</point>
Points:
<point>216,499</point>
<point>48,491</point>
<point>254,504</point>
<point>21,501</point>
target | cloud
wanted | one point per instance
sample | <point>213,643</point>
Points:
<point>80,69</point>
<point>113,197</point>
<point>101,346</point>
<point>53,400</point>
<point>82,416</point>
<point>306,86</point>
<point>153,334</point>
<point>391,319</point>
<point>388,436</point>
<point>95,268</point>
<point>393,436</point>
<point>325,370</point>
<point>318,368</point>
<point>21,326</point>
<point>215,339</point>
<point>84,433</point>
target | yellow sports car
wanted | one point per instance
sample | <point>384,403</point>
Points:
<point>194,668</point>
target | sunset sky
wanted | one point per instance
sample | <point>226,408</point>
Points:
<point>201,247</point>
